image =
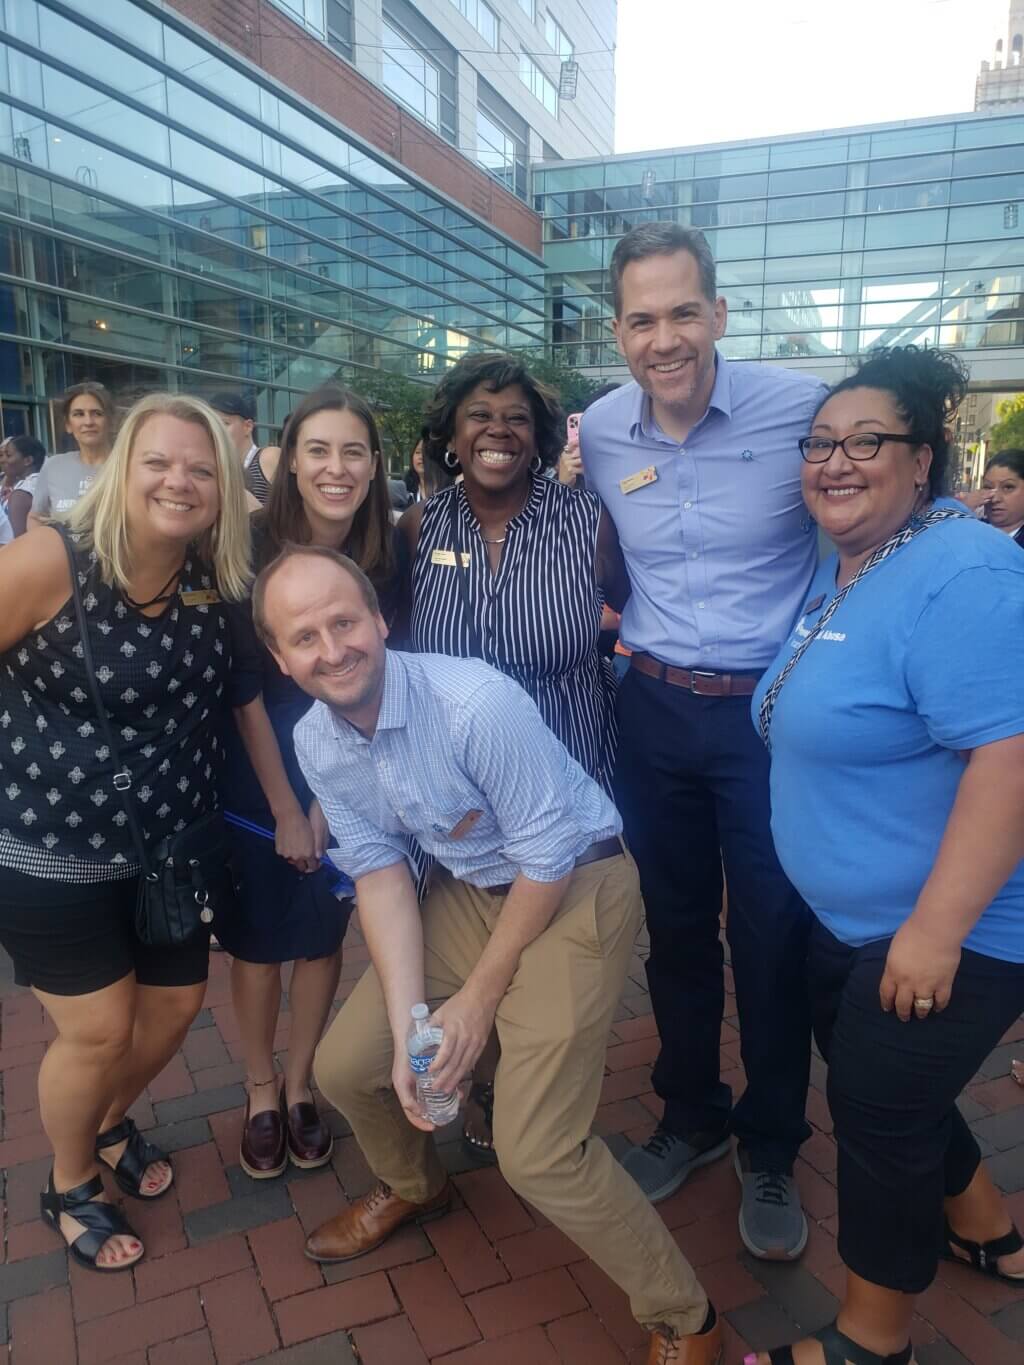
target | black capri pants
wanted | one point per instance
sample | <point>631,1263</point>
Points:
<point>892,1088</point>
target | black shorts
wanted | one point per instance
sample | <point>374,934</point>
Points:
<point>66,938</point>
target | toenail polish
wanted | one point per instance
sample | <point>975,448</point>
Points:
<point>750,1360</point>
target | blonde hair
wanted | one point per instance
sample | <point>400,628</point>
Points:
<point>100,515</point>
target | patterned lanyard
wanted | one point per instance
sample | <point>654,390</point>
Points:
<point>913,528</point>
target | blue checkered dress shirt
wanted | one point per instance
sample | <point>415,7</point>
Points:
<point>453,736</point>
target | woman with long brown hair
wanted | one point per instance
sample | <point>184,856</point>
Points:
<point>330,489</point>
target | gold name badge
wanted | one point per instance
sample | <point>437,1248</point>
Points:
<point>447,558</point>
<point>639,480</point>
<point>202,597</point>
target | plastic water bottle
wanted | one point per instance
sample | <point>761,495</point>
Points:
<point>423,1043</point>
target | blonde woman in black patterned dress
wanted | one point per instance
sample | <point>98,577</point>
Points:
<point>161,544</point>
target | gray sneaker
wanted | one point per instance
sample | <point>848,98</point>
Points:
<point>660,1167</point>
<point>772,1222</point>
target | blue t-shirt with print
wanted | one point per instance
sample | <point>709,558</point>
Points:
<point>923,659</point>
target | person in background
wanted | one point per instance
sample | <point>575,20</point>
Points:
<point>541,561</point>
<point>529,925</point>
<point>162,540</point>
<point>895,719</point>
<point>425,477</point>
<point>570,462</point>
<point>238,413</point>
<point>89,419</point>
<point>1003,487</point>
<point>330,490</point>
<point>6,530</point>
<point>698,466</point>
<point>21,459</point>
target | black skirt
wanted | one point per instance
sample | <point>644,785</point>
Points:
<point>281,914</point>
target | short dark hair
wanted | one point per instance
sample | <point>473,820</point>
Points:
<point>662,239</point>
<point>497,372</point>
<point>927,387</point>
<point>259,589</point>
<point>29,448</point>
<point>370,541</point>
<point>1012,458</point>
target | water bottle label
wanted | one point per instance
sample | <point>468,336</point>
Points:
<point>420,1064</point>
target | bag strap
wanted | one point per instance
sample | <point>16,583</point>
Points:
<point>903,536</point>
<point>476,644</point>
<point>122,777</point>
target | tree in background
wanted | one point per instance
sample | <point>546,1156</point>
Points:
<point>397,404</point>
<point>1009,430</point>
<point>572,386</point>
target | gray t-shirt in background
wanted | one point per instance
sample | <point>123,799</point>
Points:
<point>61,482</point>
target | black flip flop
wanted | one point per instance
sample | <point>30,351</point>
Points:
<point>984,1256</point>
<point>841,1350</point>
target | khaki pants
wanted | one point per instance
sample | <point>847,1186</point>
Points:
<point>553,1025</point>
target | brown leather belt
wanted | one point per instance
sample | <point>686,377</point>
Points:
<point>695,680</point>
<point>604,848</point>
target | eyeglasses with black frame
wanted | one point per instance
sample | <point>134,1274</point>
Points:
<point>862,445</point>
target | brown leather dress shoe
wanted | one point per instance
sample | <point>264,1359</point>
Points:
<point>369,1222</point>
<point>309,1142</point>
<point>263,1152</point>
<point>703,1349</point>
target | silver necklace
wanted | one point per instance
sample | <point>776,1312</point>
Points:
<point>494,542</point>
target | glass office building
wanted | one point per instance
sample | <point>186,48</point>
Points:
<point>169,218</point>
<point>826,245</point>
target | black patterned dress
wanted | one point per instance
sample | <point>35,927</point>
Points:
<point>163,681</point>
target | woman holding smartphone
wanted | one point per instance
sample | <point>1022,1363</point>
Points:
<point>1002,492</point>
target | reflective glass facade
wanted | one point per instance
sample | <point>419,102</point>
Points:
<point>169,218</point>
<point>826,245</point>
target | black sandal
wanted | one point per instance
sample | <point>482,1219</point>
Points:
<point>479,1151</point>
<point>100,1220</point>
<point>984,1256</point>
<point>841,1350</point>
<point>134,1160</point>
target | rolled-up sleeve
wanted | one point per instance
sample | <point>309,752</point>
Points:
<point>523,771</point>
<point>362,847</point>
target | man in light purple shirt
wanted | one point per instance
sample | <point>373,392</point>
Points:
<point>698,465</point>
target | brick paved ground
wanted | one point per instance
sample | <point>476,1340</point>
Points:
<point>225,1281</point>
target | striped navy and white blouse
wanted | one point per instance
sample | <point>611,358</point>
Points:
<point>536,618</point>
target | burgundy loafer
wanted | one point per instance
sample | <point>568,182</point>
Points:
<point>263,1153</point>
<point>309,1143</point>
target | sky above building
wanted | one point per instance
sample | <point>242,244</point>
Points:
<point>693,71</point>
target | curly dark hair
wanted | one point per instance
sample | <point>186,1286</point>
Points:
<point>498,372</point>
<point>927,386</point>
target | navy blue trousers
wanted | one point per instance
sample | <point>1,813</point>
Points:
<point>692,785</point>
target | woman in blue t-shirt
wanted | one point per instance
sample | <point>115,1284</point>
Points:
<point>895,718</point>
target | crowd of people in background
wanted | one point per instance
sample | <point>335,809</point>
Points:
<point>425,685</point>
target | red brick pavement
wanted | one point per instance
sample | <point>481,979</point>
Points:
<point>225,1282</point>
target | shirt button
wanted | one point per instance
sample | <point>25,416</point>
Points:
<point>693,554</point>
<point>701,605</point>
<point>687,505</point>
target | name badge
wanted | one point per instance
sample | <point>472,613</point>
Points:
<point>447,558</point>
<point>465,824</point>
<point>202,597</point>
<point>639,480</point>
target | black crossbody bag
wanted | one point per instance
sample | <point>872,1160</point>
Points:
<point>188,877</point>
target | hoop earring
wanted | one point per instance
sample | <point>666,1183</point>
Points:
<point>536,464</point>
<point>451,461</point>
